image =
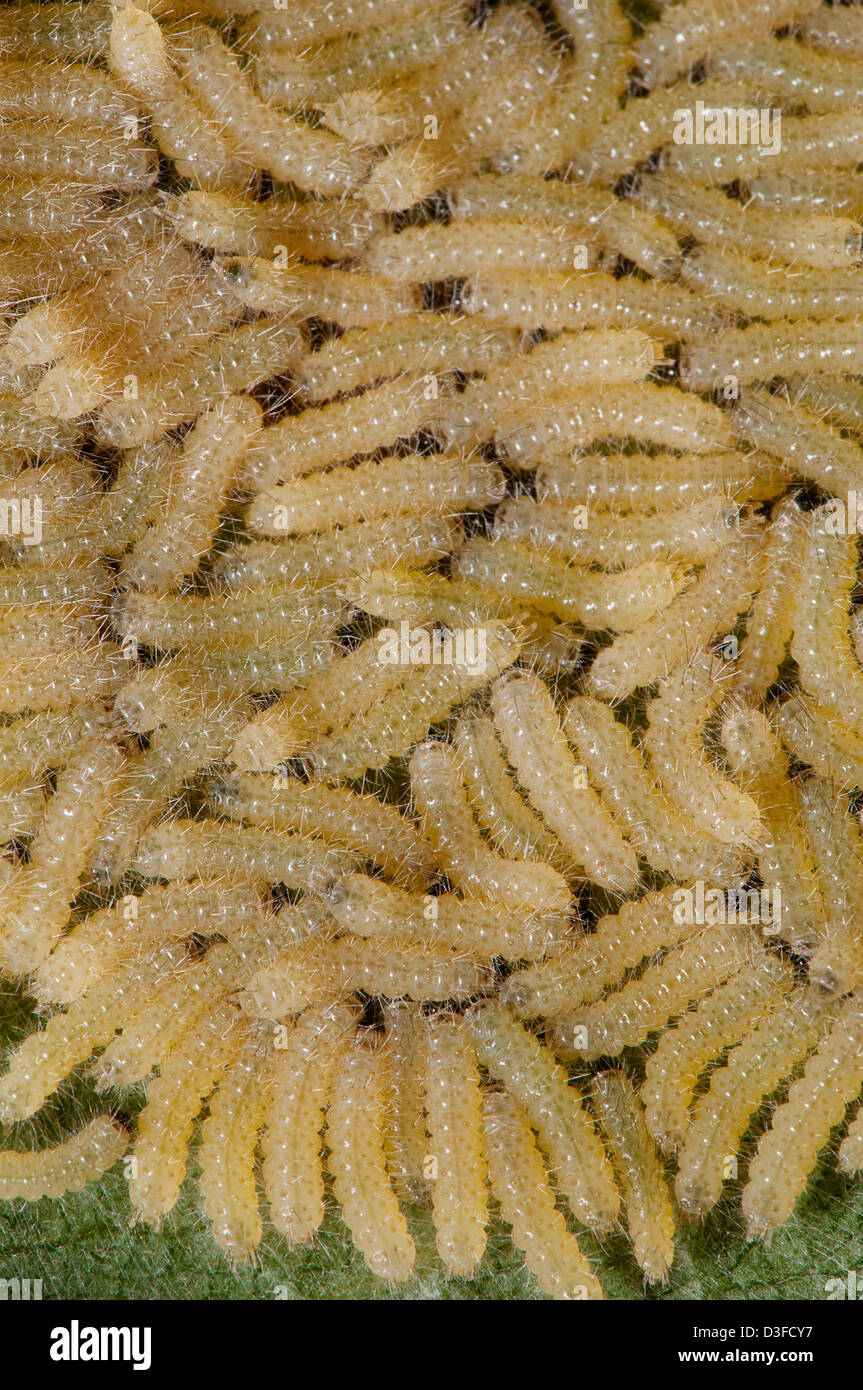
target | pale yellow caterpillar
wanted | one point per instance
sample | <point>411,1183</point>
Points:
<point>531,1075</point>
<point>821,641</point>
<point>644,1005</point>
<point>346,297</point>
<point>229,1137</point>
<point>819,737</point>
<point>832,30</point>
<point>690,31</point>
<point>67,1167</point>
<point>760,289</point>
<point>837,963</point>
<point>513,827</point>
<point>436,253</point>
<point>528,725</point>
<point>831,140</point>
<point>520,1183</point>
<point>417,485</point>
<point>655,482</point>
<point>727,1014</point>
<point>176,621</point>
<point>55,30</point>
<point>453,1109</point>
<point>407,1144</point>
<point>809,191</point>
<point>568,301</point>
<point>394,968</point>
<point>300,1078</point>
<point>675,748</point>
<point>357,1124</point>
<point>77,151</point>
<point>372,908</point>
<point>791,72</point>
<point>835,398</point>
<point>761,351</point>
<point>325,19</point>
<point>359,823</point>
<point>585,967</point>
<point>186,1077</point>
<point>277,226</point>
<point>771,618</point>
<point>649,1215</point>
<point>620,602</point>
<point>180,848</point>
<point>753,1071</point>
<point>801,1126</point>
<point>812,448</point>
<point>439,795</point>
<point>183,530</point>
<point>73,92</point>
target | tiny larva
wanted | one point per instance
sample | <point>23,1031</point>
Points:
<point>66,1168</point>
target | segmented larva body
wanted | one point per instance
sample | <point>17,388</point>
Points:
<point>588,964</point>
<point>530,730</point>
<point>821,644</point>
<point>649,1215</point>
<point>134,926</point>
<point>440,484</point>
<point>583,301</point>
<point>801,1126</point>
<point>674,742</point>
<point>520,1183</point>
<point>717,1022</point>
<point>754,1069</point>
<point>832,139</point>
<point>394,968</point>
<point>205,622</point>
<point>802,440</point>
<point>792,72</point>
<point>535,1079</point>
<point>345,297</point>
<point>836,398</point>
<point>241,854</point>
<point>837,963</point>
<point>815,735</point>
<point>433,253</point>
<point>68,1167</point>
<point>186,1077</point>
<point>184,529</point>
<point>300,1079</point>
<point>755,289</point>
<point>406,1141</point>
<point>424,697</point>
<point>371,908</point>
<point>512,826</point>
<point>771,618</point>
<point>229,1137</point>
<point>357,1125</point>
<point>453,1109</point>
<point>439,795</point>
<point>39,898</point>
<point>654,827</point>
<point>707,607</point>
<point>358,823</point>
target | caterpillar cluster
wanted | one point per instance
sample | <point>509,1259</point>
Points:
<point>429,494</point>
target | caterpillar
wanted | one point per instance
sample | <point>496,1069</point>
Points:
<point>65,1168</point>
<point>227,1155</point>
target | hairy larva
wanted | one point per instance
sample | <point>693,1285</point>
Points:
<point>687,533</point>
<point>727,1014</point>
<point>134,926</point>
<point>34,743</point>
<point>357,1124</point>
<point>832,140</point>
<point>529,727</point>
<point>809,192</point>
<point>290,150</point>
<point>761,351</point>
<point>435,253</point>
<point>834,30</point>
<point>648,414</point>
<point>649,1215</point>
<point>186,1077</point>
<point>567,301</point>
<point>439,795</point>
<point>792,73</point>
<point>347,298</point>
<point>689,32</point>
<point>393,968</point>
<point>851,1148</point>
<point>233,361</point>
<point>655,482</point>
<point>536,1081</point>
<point>771,617</point>
<point>818,736</point>
<point>300,1079</point>
<point>644,1005</point>
<point>417,485</point>
<point>821,643</point>
<point>67,1167</point>
<point>513,827</point>
<point>656,829</point>
<point>184,529</point>
<point>619,602</point>
<point>177,849</point>
<point>76,152</point>
<point>800,439</point>
<point>56,30</point>
<point>177,621</point>
<point>49,1054</point>
<point>359,823</point>
<point>234,224</point>
<point>833,398</point>
<point>426,696</point>
<point>616,227</point>
<point>520,1183</point>
<point>753,1071</point>
<point>371,908</point>
<point>801,1126</point>
<point>38,900</point>
<point>453,1109</point>
<point>836,965</point>
<point>761,290</point>
<point>820,241</point>
<point>229,1138</point>
<point>674,743</point>
<point>335,19</point>
<point>73,92</point>
<point>587,964</point>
